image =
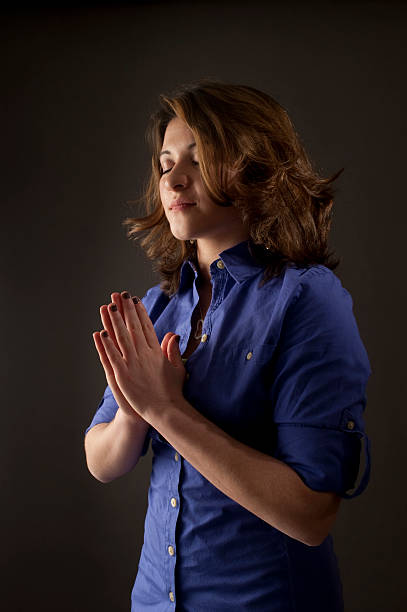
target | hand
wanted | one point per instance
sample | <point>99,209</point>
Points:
<point>142,373</point>
<point>111,381</point>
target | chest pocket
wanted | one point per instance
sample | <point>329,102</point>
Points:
<point>231,387</point>
<point>242,373</point>
<point>254,354</point>
<point>241,390</point>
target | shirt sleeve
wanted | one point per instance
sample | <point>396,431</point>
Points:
<point>320,374</point>
<point>106,412</point>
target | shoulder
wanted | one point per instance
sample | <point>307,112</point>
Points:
<point>155,300</point>
<point>315,287</point>
<point>308,300</point>
<point>151,295</point>
<point>320,309</point>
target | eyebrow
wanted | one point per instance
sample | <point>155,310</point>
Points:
<point>166,152</point>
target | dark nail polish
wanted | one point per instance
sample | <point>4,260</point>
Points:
<point>135,299</point>
<point>126,295</point>
<point>113,307</point>
<point>104,334</point>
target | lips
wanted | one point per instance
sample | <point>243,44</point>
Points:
<point>181,204</point>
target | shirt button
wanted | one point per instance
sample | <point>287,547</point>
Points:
<point>173,502</point>
<point>204,338</point>
<point>351,424</point>
<point>187,376</point>
<point>249,355</point>
<point>171,596</point>
<point>176,457</point>
<point>220,264</point>
<point>171,551</point>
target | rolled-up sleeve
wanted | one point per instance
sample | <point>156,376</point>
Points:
<point>106,412</point>
<point>318,393</point>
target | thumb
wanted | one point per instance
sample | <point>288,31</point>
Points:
<point>173,352</point>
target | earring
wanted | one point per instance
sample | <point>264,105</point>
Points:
<point>192,241</point>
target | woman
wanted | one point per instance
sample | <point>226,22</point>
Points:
<point>244,367</point>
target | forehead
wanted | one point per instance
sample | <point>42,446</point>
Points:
<point>177,134</point>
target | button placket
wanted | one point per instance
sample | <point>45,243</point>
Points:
<point>218,286</point>
<point>172,512</point>
<point>218,289</point>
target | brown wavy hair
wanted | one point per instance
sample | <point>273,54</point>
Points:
<point>251,158</point>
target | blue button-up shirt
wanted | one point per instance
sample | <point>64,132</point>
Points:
<point>283,370</point>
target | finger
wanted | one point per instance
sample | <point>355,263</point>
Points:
<point>103,358</point>
<point>123,337</point>
<point>109,373</point>
<point>116,299</point>
<point>114,356</point>
<point>107,324</point>
<point>147,325</point>
<point>133,322</point>
<point>165,341</point>
<point>174,354</point>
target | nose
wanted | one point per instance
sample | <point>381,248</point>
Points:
<point>178,179</point>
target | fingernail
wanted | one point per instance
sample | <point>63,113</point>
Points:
<point>135,299</point>
<point>104,333</point>
<point>125,295</point>
<point>113,307</point>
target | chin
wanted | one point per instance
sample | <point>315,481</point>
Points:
<point>182,235</point>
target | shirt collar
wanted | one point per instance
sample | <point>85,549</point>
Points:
<point>238,261</point>
<point>188,274</point>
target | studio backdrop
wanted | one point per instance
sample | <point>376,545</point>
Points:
<point>78,85</point>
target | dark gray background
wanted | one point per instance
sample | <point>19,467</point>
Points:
<point>78,85</point>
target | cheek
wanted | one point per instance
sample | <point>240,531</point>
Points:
<point>165,212</point>
<point>164,205</point>
<point>163,194</point>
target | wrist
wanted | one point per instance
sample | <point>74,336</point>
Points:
<point>128,420</point>
<point>160,415</point>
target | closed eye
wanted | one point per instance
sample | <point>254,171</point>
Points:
<point>194,163</point>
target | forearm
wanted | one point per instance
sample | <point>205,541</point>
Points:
<point>113,449</point>
<point>262,484</point>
